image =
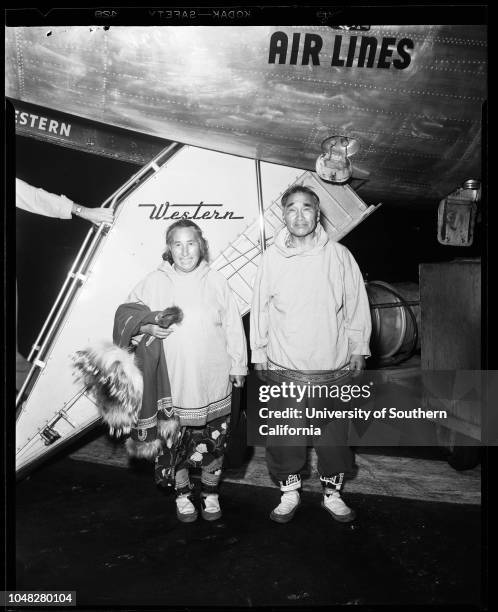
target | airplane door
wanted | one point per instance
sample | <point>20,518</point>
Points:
<point>218,191</point>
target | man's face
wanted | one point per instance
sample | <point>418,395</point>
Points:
<point>301,214</point>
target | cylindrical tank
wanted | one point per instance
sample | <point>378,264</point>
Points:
<point>395,311</point>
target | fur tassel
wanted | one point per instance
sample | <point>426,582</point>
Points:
<point>168,430</point>
<point>143,450</point>
<point>110,375</point>
<point>170,315</point>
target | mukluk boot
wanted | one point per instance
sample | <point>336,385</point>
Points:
<point>289,501</point>
<point>210,501</point>
<point>186,511</point>
<point>332,500</point>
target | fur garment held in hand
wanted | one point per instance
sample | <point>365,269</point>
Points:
<point>112,378</point>
<point>170,315</point>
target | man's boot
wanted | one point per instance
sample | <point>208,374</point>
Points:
<point>289,500</point>
<point>332,500</point>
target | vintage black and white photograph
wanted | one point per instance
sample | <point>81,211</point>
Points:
<point>248,266</point>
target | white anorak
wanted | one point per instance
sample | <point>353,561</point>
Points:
<point>310,309</point>
<point>41,202</point>
<point>206,347</point>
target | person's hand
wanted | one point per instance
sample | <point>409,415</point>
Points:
<point>237,380</point>
<point>97,215</point>
<point>357,363</point>
<point>156,330</point>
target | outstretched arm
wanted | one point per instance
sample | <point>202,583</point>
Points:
<point>41,202</point>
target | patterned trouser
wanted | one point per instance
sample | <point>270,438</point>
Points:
<point>198,447</point>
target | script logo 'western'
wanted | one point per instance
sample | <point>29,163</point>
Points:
<point>194,212</point>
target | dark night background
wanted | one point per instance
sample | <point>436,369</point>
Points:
<point>46,247</point>
<point>388,246</point>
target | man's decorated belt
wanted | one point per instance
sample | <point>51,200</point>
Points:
<point>313,376</point>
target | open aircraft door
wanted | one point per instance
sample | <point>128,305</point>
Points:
<point>235,202</point>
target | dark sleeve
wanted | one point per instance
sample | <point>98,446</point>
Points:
<point>128,320</point>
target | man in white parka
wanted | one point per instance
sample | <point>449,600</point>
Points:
<point>310,312</point>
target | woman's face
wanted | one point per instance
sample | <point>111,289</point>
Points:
<point>185,249</point>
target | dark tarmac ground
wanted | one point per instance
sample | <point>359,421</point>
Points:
<point>110,535</point>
